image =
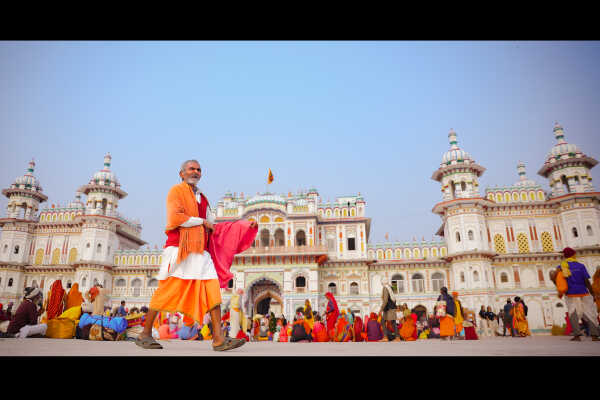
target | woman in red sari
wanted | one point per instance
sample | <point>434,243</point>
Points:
<point>358,329</point>
<point>364,331</point>
<point>56,300</point>
<point>332,313</point>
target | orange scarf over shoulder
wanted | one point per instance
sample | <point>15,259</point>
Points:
<point>181,205</point>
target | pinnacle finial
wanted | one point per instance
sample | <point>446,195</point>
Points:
<point>107,160</point>
<point>559,133</point>
<point>452,139</point>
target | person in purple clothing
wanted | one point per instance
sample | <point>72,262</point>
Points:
<point>580,296</point>
<point>374,332</point>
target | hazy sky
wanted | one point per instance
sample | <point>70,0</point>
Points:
<point>344,117</point>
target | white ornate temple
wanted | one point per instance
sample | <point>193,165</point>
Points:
<point>495,246</point>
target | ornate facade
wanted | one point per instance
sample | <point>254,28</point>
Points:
<point>494,246</point>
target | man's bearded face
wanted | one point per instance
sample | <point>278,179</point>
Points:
<point>192,173</point>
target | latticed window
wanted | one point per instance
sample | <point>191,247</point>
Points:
<point>504,277</point>
<point>437,281</point>
<point>523,243</point>
<point>354,288</point>
<point>56,256</point>
<point>499,244</point>
<point>547,245</point>
<point>332,288</point>
<point>398,283</point>
<point>418,283</point>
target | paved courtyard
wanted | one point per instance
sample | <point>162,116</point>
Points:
<point>497,346</point>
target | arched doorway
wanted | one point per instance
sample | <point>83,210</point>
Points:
<point>265,297</point>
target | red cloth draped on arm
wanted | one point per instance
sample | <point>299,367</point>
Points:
<point>227,240</point>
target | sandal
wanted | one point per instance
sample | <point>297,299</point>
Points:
<point>229,344</point>
<point>148,343</point>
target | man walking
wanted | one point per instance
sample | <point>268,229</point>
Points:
<point>188,281</point>
<point>388,308</point>
<point>580,296</point>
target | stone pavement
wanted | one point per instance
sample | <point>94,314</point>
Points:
<point>497,346</point>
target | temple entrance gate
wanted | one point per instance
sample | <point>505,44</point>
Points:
<point>265,297</point>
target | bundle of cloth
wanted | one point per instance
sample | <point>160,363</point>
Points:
<point>118,324</point>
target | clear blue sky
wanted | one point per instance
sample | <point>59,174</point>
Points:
<point>345,117</point>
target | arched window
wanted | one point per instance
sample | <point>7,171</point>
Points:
<point>332,288</point>
<point>300,282</point>
<point>265,237</point>
<point>504,277</point>
<point>565,183</point>
<point>137,285</point>
<point>145,260</point>
<point>462,277</point>
<point>398,254</point>
<point>10,282</point>
<point>434,252</point>
<point>388,254</point>
<point>87,246</point>
<point>437,281</point>
<point>475,276</point>
<point>83,282</point>
<point>589,230</point>
<point>463,186</point>
<point>5,248</point>
<point>354,288</point>
<point>121,282</point>
<point>279,238</point>
<point>398,283</point>
<point>300,238</point>
<point>471,236</point>
<point>17,249</point>
<point>154,282</point>
<point>407,253</point>
<point>457,237</point>
<point>575,234</point>
<point>69,284</point>
<point>418,283</point>
<point>425,253</point>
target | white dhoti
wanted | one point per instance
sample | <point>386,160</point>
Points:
<point>583,306</point>
<point>29,330</point>
<point>234,322</point>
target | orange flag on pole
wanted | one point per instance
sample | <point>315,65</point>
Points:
<point>270,178</point>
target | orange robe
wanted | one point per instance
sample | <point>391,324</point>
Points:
<point>447,326</point>
<point>408,330</point>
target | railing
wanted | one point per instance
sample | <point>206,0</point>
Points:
<point>132,292</point>
<point>285,250</point>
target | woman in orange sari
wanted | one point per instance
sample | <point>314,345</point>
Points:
<point>56,300</point>
<point>341,329</point>
<point>519,320</point>
<point>408,329</point>
<point>74,298</point>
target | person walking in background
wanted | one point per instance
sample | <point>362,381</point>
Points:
<point>508,318</point>
<point>459,314</point>
<point>332,312</point>
<point>121,310</point>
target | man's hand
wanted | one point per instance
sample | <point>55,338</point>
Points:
<point>253,224</point>
<point>208,225</point>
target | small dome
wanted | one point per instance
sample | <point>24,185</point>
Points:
<point>105,176</point>
<point>28,181</point>
<point>455,154</point>
<point>77,203</point>
<point>562,149</point>
<point>523,180</point>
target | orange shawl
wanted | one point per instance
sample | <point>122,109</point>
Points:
<point>74,298</point>
<point>55,300</point>
<point>181,205</point>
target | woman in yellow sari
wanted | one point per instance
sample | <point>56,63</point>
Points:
<point>519,320</point>
<point>308,314</point>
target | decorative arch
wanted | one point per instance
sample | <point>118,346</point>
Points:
<point>72,255</point>
<point>507,197</point>
<point>499,244</point>
<point>523,243</point>
<point>55,256</point>
<point>39,257</point>
<point>265,219</point>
